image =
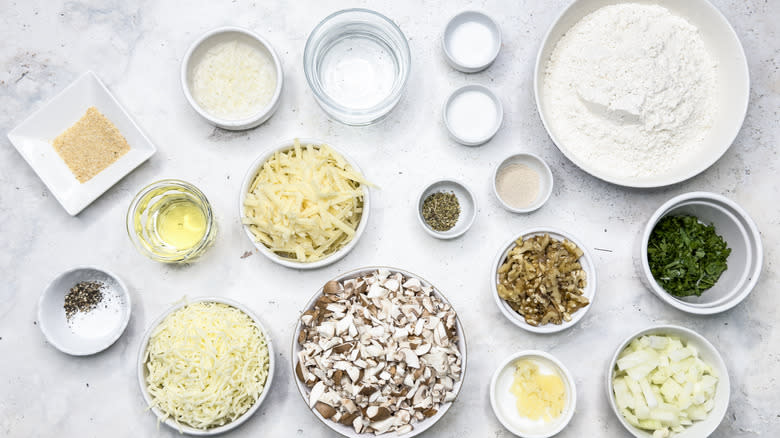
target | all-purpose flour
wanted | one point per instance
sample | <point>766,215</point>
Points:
<point>630,90</point>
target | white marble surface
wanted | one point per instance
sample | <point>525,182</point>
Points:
<point>136,47</point>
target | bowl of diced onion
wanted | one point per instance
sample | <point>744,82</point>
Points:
<point>304,204</point>
<point>184,385</point>
<point>668,381</point>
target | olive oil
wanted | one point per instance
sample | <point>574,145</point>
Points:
<point>181,223</point>
<point>171,221</point>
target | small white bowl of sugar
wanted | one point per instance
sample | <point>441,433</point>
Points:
<point>522,183</point>
<point>473,114</point>
<point>471,41</point>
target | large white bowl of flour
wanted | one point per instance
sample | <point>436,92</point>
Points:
<point>642,93</point>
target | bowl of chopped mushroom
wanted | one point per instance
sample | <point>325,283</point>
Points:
<point>543,280</point>
<point>379,350</point>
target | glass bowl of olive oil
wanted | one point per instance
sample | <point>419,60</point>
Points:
<point>171,221</point>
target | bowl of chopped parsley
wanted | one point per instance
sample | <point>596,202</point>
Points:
<point>701,253</point>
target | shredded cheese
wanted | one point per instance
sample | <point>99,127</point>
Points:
<point>207,364</point>
<point>305,203</point>
<point>234,80</point>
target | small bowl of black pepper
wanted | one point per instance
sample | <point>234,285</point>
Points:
<point>84,310</point>
<point>446,208</point>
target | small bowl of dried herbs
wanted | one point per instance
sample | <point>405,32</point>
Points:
<point>446,209</point>
<point>701,253</point>
<point>84,310</point>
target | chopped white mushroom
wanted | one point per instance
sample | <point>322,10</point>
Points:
<point>379,353</point>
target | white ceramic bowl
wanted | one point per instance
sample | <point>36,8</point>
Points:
<point>466,199</point>
<point>541,168</point>
<point>707,353</point>
<point>586,261</point>
<point>142,373</point>
<point>336,256</point>
<point>454,126</point>
<point>504,403</point>
<point>201,46</point>
<point>477,28</point>
<point>741,235</point>
<point>349,431</point>
<point>97,329</point>
<point>734,90</point>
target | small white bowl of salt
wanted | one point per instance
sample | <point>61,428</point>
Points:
<point>522,183</point>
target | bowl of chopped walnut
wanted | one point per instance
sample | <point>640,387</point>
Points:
<point>543,280</point>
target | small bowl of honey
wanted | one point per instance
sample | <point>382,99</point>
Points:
<point>171,221</point>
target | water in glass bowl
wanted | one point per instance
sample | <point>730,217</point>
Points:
<point>358,71</point>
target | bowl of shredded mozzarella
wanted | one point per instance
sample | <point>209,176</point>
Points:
<point>205,366</point>
<point>232,77</point>
<point>304,204</point>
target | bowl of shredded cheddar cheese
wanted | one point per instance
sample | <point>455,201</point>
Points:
<point>304,204</point>
<point>205,366</point>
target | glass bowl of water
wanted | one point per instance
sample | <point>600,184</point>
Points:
<point>357,63</point>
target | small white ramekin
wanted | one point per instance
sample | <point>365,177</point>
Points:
<point>503,402</point>
<point>222,34</point>
<point>466,200</point>
<point>538,165</point>
<point>450,124</point>
<point>467,18</point>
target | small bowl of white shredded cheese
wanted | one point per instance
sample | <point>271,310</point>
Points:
<point>186,357</point>
<point>232,77</point>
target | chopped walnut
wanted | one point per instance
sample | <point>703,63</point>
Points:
<point>542,280</point>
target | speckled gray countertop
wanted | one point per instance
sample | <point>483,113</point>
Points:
<point>135,47</point>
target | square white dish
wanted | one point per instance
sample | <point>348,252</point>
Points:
<point>33,139</point>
